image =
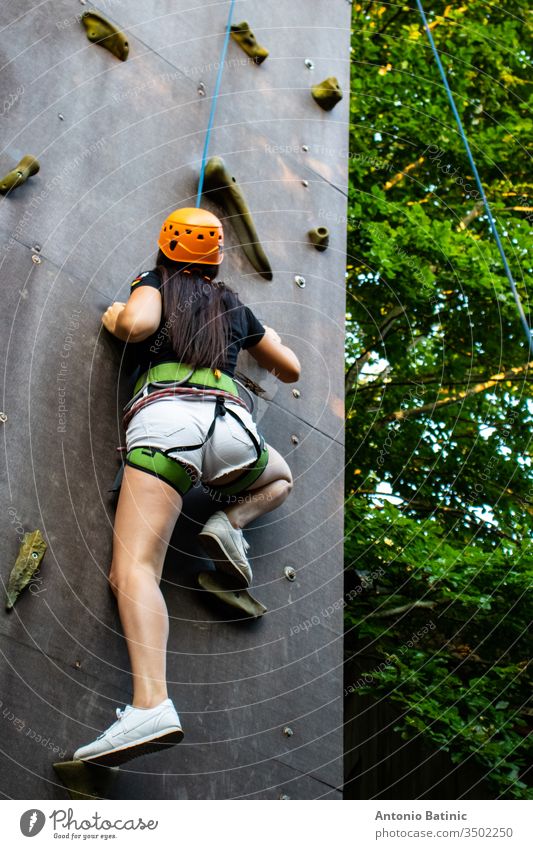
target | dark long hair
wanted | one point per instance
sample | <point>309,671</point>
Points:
<point>195,312</point>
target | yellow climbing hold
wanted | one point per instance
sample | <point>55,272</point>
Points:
<point>27,167</point>
<point>101,31</point>
<point>242,34</point>
<point>327,93</point>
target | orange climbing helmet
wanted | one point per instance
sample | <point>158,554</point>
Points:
<point>192,235</point>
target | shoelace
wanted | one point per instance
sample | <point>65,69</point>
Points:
<point>120,713</point>
<point>246,545</point>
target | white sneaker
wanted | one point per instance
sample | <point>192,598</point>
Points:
<point>227,548</point>
<point>136,732</point>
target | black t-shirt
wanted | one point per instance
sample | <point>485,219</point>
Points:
<point>246,330</point>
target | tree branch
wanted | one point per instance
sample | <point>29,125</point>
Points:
<point>404,608</point>
<point>401,174</point>
<point>388,22</point>
<point>385,328</point>
<point>414,412</point>
<point>424,382</point>
<point>425,507</point>
<point>474,213</point>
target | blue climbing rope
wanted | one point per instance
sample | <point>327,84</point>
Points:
<point>477,178</point>
<point>214,104</point>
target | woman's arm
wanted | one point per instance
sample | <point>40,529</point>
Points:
<point>138,318</point>
<point>277,358</point>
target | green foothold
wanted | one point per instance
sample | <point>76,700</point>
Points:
<point>101,31</point>
<point>29,558</point>
<point>86,781</point>
<point>223,189</point>
<point>242,34</point>
<point>27,167</point>
<point>319,238</point>
<point>327,93</point>
<point>221,586</point>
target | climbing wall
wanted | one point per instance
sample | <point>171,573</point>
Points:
<point>119,145</point>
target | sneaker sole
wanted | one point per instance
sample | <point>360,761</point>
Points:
<point>221,558</point>
<point>114,757</point>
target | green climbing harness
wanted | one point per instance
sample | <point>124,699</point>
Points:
<point>182,375</point>
<point>174,378</point>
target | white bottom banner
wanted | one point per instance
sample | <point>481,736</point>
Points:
<point>234,824</point>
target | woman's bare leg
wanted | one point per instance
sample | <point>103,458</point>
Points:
<point>268,492</point>
<point>147,511</point>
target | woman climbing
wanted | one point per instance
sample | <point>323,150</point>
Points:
<point>185,423</point>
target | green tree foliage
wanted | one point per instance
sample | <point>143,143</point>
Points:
<point>438,377</point>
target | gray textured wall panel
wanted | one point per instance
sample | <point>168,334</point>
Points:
<point>126,152</point>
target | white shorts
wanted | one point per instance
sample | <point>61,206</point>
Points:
<point>177,421</point>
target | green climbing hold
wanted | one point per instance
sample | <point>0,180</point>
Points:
<point>101,31</point>
<point>319,237</point>
<point>29,558</point>
<point>327,93</point>
<point>221,586</point>
<point>85,780</point>
<point>223,189</point>
<point>27,167</point>
<point>242,34</point>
